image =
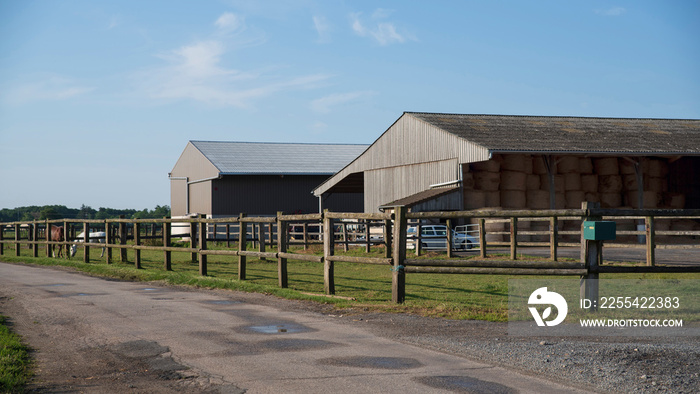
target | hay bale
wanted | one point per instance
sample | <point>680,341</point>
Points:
<point>585,165</point>
<point>513,162</point>
<point>488,181</point>
<point>538,166</point>
<point>629,182</point>
<point>655,184</point>
<point>560,201</point>
<point>626,167</point>
<point>468,180</point>
<point>574,198</point>
<point>589,183</point>
<point>493,199</point>
<point>488,166</point>
<point>674,200</point>
<point>572,181</point>
<point>610,200</point>
<point>559,183</point>
<point>537,199</point>
<point>651,199</point>
<point>513,180</point>
<point>474,199</point>
<point>494,227</point>
<point>592,197</point>
<point>606,166</point>
<point>527,164</point>
<point>610,184</point>
<point>568,164</point>
<point>513,199</point>
<point>656,168</point>
<point>533,182</point>
<point>539,226</point>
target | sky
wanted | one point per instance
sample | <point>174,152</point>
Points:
<point>98,99</point>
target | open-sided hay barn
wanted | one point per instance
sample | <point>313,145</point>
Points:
<point>432,161</point>
<point>227,178</point>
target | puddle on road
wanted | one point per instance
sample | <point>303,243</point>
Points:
<point>373,362</point>
<point>294,345</point>
<point>279,329</point>
<point>80,294</point>
<point>464,384</point>
<point>56,285</point>
<point>222,302</point>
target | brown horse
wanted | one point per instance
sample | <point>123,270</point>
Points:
<point>56,234</point>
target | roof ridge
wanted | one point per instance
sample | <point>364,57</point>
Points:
<point>546,116</point>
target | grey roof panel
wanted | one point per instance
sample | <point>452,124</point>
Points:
<point>571,134</point>
<point>278,158</point>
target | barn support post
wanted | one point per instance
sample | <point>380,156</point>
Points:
<point>242,244</point>
<point>591,257</point>
<point>167,255</point>
<point>513,238</point>
<point>86,240</point>
<point>448,224</point>
<point>137,242</point>
<point>193,241</point>
<point>328,251</point>
<point>482,238</point>
<point>281,248</point>
<point>553,238</point>
<point>649,227</point>
<point>398,277</point>
<point>202,234</point>
<point>122,239</point>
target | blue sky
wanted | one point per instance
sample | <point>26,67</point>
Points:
<point>99,98</point>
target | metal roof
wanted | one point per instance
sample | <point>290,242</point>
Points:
<point>508,133</point>
<point>247,158</point>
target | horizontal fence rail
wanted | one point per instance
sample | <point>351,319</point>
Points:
<point>270,238</point>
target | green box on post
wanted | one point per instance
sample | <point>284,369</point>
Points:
<point>599,230</point>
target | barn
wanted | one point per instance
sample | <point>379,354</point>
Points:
<point>220,178</point>
<point>434,161</point>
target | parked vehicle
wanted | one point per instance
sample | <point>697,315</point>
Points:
<point>434,237</point>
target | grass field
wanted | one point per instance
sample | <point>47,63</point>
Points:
<point>15,363</point>
<point>359,286</point>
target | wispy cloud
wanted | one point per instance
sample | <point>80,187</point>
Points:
<point>51,88</point>
<point>383,32</point>
<point>325,104</point>
<point>196,71</point>
<point>322,29</point>
<point>614,11</point>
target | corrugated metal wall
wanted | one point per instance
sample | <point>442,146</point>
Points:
<point>193,165</point>
<point>385,185</point>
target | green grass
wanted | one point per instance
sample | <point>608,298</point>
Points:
<point>363,287</point>
<point>15,363</point>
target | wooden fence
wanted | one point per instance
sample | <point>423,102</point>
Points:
<point>271,237</point>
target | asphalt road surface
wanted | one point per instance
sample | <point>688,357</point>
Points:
<point>96,335</point>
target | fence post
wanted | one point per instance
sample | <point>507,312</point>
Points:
<point>418,233</point>
<point>109,239</point>
<point>193,241</point>
<point>281,248</point>
<point>649,227</point>
<point>328,250</point>
<point>242,244</point>
<point>513,238</point>
<point>47,237</point>
<point>122,239</point>
<point>202,244</point>
<point>35,237</point>
<point>17,238</point>
<point>2,237</point>
<point>167,260</point>
<point>368,233</point>
<point>66,239</point>
<point>345,236</point>
<point>86,240</point>
<point>387,239</point>
<point>137,242</point>
<point>553,238</point>
<point>482,238</point>
<point>591,254</point>
<point>448,224</point>
<point>261,239</point>
<point>398,277</point>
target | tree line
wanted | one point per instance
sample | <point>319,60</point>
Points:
<point>84,212</point>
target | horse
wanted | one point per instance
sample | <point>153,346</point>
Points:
<point>96,237</point>
<point>56,234</point>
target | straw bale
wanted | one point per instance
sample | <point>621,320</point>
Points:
<point>513,162</point>
<point>651,199</point>
<point>655,184</point>
<point>515,199</point>
<point>559,183</point>
<point>527,164</point>
<point>568,164</point>
<point>610,200</point>
<point>533,182</point>
<point>489,166</point>
<point>488,181</point>
<point>606,166</point>
<point>537,199</point>
<point>629,182</point>
<point>626,167</point>
<point>572,181</point>
<point>592,197</point>
<point>656,168</point>
<point>513,180</point>
<point>674,200</point>
<point>560,201</point>
<point>574,198</point>
<point>589,183</point>
<point>610,183</point>
<point>538,166</point>
<point>585,165</point>
<point>474,199</point>
<point>493,199</point>
<point>468,180</point>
